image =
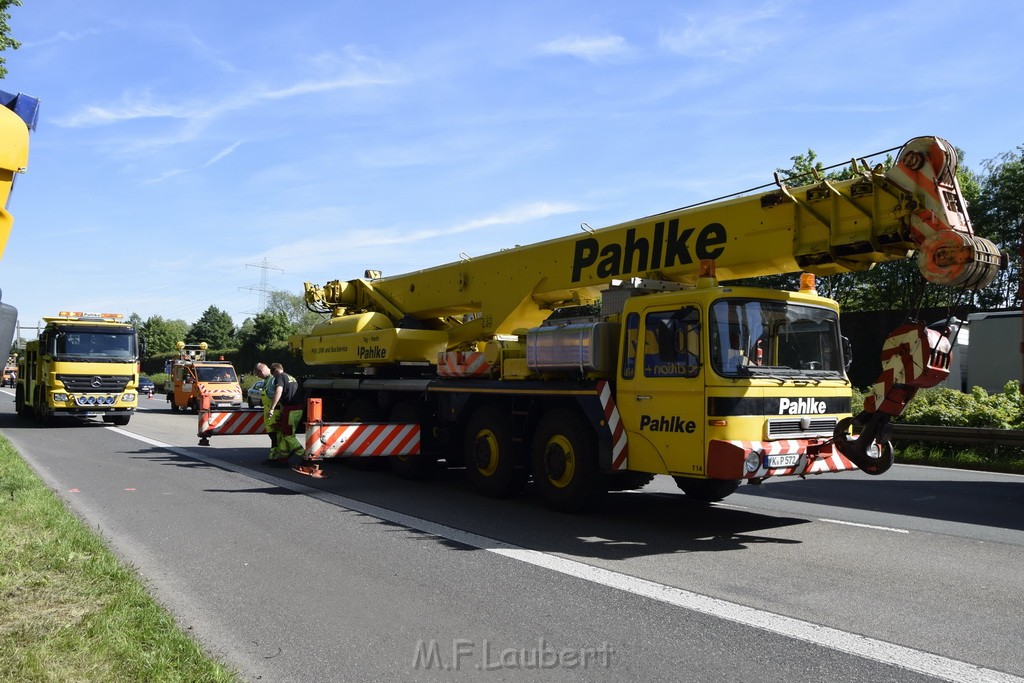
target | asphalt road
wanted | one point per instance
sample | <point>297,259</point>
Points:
<point>914,575</point>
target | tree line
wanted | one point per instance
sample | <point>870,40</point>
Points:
<point>284,316</point>
<point>995,204</point>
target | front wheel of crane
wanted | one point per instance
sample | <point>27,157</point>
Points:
<point>565,466</point>
<point>707,490</point>
<point>492,459</point>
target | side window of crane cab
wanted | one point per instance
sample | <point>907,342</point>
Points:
<point>631,340</point>
<point>672,343</point>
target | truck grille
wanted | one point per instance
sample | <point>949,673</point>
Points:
<point>801,427</point>
<point>94,382</point>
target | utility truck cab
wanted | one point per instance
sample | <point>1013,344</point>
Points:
<point>190,376</point>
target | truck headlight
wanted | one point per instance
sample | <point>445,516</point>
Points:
<point>60,398</point>
<point>753,461</point>
<point>128,398</point>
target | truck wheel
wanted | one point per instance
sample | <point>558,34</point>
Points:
<point>174,406</point>
<point>412,466</point>
<point>42,413</point>
<point>494,463</point>
<point>24,411</point>
<point>117,419</point>
<point>707,490</point>
<point>564,458</point>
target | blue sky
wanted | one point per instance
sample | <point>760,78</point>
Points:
<point>182,145</point>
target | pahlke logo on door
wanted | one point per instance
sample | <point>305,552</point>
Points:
<point>801,406</point>
<point>669,423</point>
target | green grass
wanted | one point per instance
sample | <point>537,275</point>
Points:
<point>69,609</point>
<point>986,459</point>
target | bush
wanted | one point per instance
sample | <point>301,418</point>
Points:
<point>952,408</point>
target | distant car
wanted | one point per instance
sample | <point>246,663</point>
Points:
<point>146,386</point>
<point>253,396</point>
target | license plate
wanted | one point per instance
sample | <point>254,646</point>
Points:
<point>785,460</point>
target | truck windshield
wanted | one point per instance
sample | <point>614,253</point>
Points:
<point>94,344</point>
<point>217,374</point>
<point>776,339</point>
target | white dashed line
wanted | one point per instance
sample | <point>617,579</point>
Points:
<point>864,647</point>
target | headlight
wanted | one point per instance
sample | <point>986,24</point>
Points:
<point>753,461</point>
<point>127,398</point>
<point>60,398</point>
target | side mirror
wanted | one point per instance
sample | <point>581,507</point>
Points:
<point>847,352</point>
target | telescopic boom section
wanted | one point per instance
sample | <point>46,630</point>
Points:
<point>824,228</point>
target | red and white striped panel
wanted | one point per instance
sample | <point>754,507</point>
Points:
<point>726,458</point>
<point>231,422</point>
<point>620,449</point>
<point>912,355</point>
<point>924,165</point>
<point>462,364</point>
<point>361,439</point>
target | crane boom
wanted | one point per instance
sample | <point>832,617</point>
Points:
<point>825,228</point>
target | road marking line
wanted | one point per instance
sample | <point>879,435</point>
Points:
<point>864,647</point>
<point>864,526</point>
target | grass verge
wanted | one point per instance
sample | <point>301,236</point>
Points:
<point>957,456</point>
<point>69,609</point>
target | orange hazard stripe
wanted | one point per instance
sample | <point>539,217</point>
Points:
<point>232,423</point>
<point>363,440</point>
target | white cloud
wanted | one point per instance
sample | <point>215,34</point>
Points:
<point>726,34</point>
<point>221,154</point>
<point>315,252</point>
<point>592,48</point>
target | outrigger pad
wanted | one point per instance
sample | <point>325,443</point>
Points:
<point>312,470</point>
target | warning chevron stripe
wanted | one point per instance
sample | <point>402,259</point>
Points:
<point>726,459</point>
<point>362,439</point>
<point>620,449</point>
<point>231,423</point>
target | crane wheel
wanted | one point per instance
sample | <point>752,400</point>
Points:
<point>492,458</point>
<point>566,471</point>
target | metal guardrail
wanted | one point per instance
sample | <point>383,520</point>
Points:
<point>978,435</point>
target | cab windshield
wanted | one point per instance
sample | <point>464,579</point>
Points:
<point>216,375</point>
<point>93,344</point>
<point>775,339</point>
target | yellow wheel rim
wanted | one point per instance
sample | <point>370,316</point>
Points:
<point>485,453</point>
<point>560,461</point>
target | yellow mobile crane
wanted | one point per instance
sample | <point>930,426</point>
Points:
<point>506,364</point>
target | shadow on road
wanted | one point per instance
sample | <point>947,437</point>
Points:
<point>996,502</point>
<point>626,525</point>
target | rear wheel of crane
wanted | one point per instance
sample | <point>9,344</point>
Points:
<point>494,462</point>
<point>364,409</point>
<point>564,459</point>
<point>417,466</point>
<point>707,490</point>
